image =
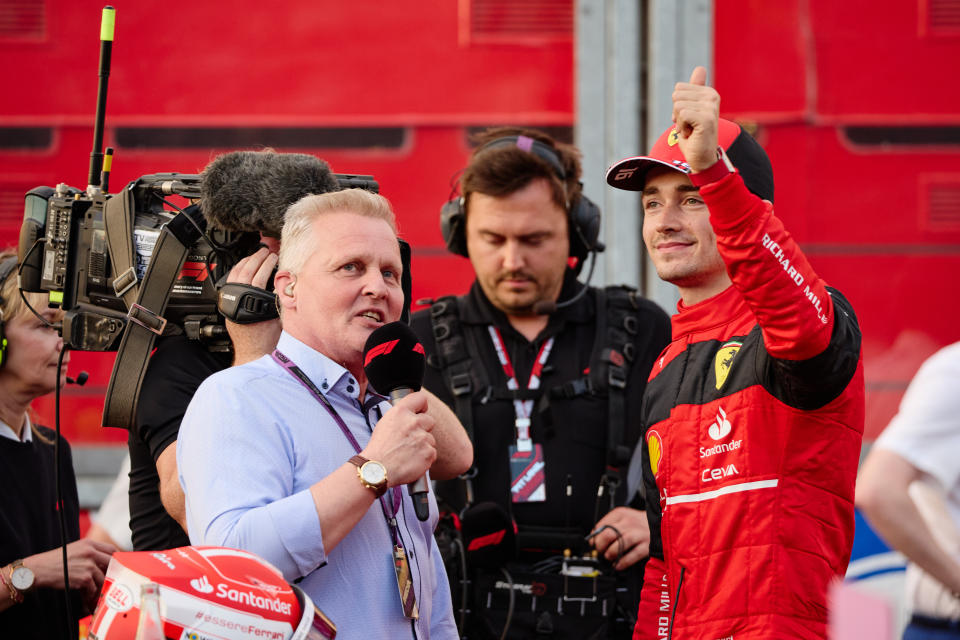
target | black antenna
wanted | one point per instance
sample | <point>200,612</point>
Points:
<point>106,48</point>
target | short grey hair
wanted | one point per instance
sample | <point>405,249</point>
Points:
<point>295,244</point>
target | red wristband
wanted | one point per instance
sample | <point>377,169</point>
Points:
<point>716,172</point>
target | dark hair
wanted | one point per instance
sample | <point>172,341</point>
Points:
<point>251,190</point>
<point>502,170</point>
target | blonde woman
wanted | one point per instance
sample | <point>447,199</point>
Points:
<point>32,603</point>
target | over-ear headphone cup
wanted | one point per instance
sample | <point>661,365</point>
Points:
<point>583,217</point>
<point>453,227</point>
<point>584,228</point>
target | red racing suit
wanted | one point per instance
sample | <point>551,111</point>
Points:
<point>753,422</point>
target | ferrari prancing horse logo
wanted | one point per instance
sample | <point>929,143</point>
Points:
<point>724,360</point>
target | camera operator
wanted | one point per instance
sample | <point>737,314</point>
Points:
<point>176,369</point>
<point>242,191</point>
<point>31,561</point>
<point>543,448</point>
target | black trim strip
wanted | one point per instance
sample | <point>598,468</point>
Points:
<point>26,138</point>
<point>280,137</point>
<point>903,136</point>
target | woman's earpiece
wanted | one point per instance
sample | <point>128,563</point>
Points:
<point>288,290</point>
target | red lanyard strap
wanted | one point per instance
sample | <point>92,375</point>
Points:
<point>523,409</point>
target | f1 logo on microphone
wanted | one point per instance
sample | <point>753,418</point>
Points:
<point>487,540</point>
<point>380,350</point>
<point>387,347</point>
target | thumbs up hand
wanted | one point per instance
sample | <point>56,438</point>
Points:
<point>696,112</point>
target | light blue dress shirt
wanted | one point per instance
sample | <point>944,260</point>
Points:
<point>252,443</point>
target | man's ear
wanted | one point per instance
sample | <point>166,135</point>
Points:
<point>284,284</point>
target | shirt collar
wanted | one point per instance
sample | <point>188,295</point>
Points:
<point>329,376</point>
<point>6,431</point>
<point>706,314</point>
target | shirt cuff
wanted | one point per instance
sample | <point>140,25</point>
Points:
<point>716,172</point>
<point>298,527</point>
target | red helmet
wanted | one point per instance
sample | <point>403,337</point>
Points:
<point>206,593</point>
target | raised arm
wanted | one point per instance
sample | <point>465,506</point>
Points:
<point>789,300</point>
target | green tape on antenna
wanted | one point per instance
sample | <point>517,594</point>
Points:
<point>107,23</point>
<point>56,297</point>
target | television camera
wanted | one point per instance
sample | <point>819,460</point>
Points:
<point>141,263</point>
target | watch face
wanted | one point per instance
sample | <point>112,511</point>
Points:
<point>374,473</point>
<point>22,578</point>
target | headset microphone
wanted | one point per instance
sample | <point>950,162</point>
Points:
<point>546,307</point>
<point>394,363</point>
<point>80,380</point>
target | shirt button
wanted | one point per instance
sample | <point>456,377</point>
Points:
<point>349,388</point>
<point>324,384</point>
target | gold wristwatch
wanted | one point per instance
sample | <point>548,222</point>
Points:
<point>372,474</point>
<point>21,577</point>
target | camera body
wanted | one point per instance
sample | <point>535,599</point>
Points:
<point>66,253</point>
<point>65,249</point>
<point>131,266</point>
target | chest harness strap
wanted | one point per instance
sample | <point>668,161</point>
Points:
<point>612,355</point>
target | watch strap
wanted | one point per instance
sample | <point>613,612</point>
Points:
<point>716,172</point>
<point>359,461</point>
<point>15,594</point>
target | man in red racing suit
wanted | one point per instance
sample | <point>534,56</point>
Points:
<point>753,415</point>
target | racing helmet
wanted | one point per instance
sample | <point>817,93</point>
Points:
<point>206,593</point>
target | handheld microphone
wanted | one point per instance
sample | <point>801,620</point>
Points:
<point>489,535</point>
<point>394,363</point>
<point>80,380</point>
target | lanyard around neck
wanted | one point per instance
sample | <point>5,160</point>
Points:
<point>522,408</point>
<point>290,367</point>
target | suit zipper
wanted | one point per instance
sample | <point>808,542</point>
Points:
<point>676,603</point>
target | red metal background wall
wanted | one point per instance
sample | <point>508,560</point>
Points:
<point>880,220</point>
<point>863,128</point>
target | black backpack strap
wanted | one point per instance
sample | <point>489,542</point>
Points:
<point>463,378</point>
<point>614,351</point>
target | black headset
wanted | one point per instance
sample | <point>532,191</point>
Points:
<point>583,215</point>
<point>7,267</point>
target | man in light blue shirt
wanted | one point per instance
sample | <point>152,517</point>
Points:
<point>280,456</point>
